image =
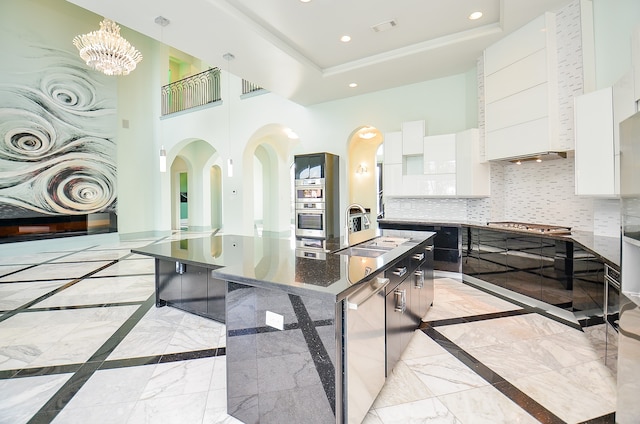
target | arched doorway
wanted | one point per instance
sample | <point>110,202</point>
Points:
<point>196,186</point>
<point>363,169</point>
<point>267,164</point>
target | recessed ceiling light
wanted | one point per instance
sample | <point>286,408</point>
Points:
<point>345,38</point>
<point>353,85</point>
<point>475,15</point>
<point>305,1</point>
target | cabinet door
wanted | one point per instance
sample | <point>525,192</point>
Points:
<point>394,326</point>
<point>412,136</point>
<point>392,176</point>
<point>473,176</point>
<point>194,289</point>
<point>168,282</point>
<point>392,148</point>
<point>440,154</point>
<point>595,175</point>
<point>216,299</point>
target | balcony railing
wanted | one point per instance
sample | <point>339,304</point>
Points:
<point>249,87</point>
<point>194,91</point>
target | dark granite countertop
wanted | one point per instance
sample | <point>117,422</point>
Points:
<point>276,263</point>
<point>607,248</point>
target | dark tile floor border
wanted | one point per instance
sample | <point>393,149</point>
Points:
<point>524,401</point>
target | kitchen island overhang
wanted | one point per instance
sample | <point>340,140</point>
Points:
<point>286,319</point>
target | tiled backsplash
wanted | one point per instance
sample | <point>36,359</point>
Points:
<point>541,193</point>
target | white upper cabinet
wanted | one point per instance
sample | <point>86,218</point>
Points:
<point>521,92</point>
<point>447,165</point>
<point>473,173</point>
<point>440,154</point>
<point>595,169</point>
<point>412,136</point>
<point>392,148</point>
<point>597,135</point>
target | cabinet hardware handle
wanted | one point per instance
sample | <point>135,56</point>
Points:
<point>180,268</point>
<point>418,256</point>
<point>374,287</point>
<point>400,271</point>
<point>419,283</point>
<point>401,300</point>
<point>429,248</point>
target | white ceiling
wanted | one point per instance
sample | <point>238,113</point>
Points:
<point>294,49</point>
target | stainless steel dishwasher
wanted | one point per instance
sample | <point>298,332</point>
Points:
<point>365,347</point>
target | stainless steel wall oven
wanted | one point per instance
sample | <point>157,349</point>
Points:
<point>317,196</point>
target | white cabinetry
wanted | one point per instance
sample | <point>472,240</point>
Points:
<point>440,154</point>
<point>472,172</point>
<point>595,170</point>
<point>412,136</point>
<point>521,92</point>
<point>451,167</point>
<point>597,135</point>
<point>393,148</point>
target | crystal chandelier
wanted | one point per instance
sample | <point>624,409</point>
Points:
<point>106,51</point>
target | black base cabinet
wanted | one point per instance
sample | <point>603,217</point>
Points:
<point>190,288</point>
<point>558,272</point>
<point>447,242</point>
<point>408,297</point>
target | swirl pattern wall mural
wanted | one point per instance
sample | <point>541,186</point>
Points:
<point>57,130</point>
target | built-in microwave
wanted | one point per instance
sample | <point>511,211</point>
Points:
<point>310,191</point>
<point>311,223</point>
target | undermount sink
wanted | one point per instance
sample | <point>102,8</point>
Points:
<point>373,248</point>
<point>362,251</point>
<point>384,242</point>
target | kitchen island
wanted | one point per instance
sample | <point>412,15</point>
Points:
<point>311,336</point>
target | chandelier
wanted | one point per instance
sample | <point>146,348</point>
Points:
<point>106,51</point>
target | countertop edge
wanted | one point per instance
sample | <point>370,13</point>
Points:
<point>585,239</point>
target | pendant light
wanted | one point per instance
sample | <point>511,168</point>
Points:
<point>163,22</point>
<point>229,57</point>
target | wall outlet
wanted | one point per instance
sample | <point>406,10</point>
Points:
<point>274,320</point>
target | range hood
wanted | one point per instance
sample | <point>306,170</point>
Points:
<point>537,157</point>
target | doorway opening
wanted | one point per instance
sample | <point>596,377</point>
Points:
<point>364,171</point>
<point>184,203</point>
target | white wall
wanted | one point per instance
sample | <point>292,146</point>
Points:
<point>325,127</point>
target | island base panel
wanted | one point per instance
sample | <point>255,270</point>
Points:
<point>281,368</point>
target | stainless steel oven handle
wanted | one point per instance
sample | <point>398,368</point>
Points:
<point>376,285</point>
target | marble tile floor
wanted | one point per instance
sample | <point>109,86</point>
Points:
<point>82,342</point>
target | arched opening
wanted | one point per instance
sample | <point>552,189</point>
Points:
<point>267,163</point>
<point>196,186</point>
<point>363,170</point>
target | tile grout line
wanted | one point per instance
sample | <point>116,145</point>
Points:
<point>47,295</point>
<point>528,404</point>
<point>64,394</point>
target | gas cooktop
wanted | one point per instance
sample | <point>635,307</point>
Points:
<point>532,228</point>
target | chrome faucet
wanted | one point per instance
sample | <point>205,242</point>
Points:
<point>347,227</point>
